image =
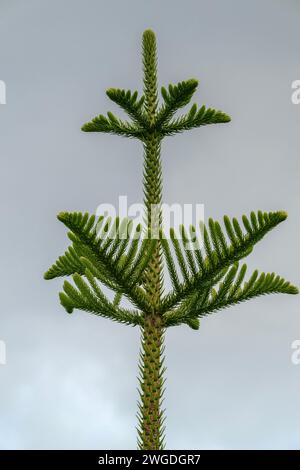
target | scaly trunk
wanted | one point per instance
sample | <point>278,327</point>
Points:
<point>151,383</point>
<point>151,355</point>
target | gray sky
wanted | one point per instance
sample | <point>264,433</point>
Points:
<point>70,381</point>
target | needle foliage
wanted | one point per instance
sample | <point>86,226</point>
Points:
<point>111,256</point>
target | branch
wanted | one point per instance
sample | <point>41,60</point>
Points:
<point>218,255</point>
<point>91,299</point>
<point>176,97</point>
<point>194,119</point>
<point>113,125</point>
<point>108,253</point>
<point>129,103</point>
<point>231,293</point>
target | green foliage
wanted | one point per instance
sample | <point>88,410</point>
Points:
<point>230,291</point>
<point>145,113</point>
<point>113,125</point>
<point>89,297</point>
<point>110,254</point>
<point>175,97</point>
<point>204,271</point>
<point>200,269</point>
<point>106,251</point>
<point>194,118</point>
<point>150,76</point>
<point>119,264</point>
<point>129,103</point>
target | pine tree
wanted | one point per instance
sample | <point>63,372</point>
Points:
<point>205,277</point>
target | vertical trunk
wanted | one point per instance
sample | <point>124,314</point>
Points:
<point>150,415</point>
<point>151,383</point>
<point>151,355</point>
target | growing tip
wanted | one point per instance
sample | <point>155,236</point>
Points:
<point>61,216</point>
<point>149,39</point>
<point>224,117</point>
<point>293,290</point>
<point>86,127</point>
<point>193,323</point>
<point>283,215</point>
<point>193,82</point>
<point>148,34</point>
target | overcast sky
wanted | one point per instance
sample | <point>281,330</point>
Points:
<point>70,380</point>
